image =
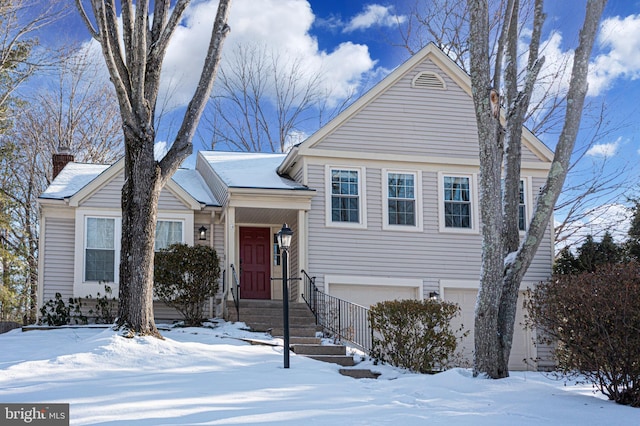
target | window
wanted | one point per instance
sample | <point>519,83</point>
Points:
<point>522,208</point>
<point>457,202</point>
<point>167,233</point>
<point>100,250</point>
<point>401,203</point>
<point>345,196</point>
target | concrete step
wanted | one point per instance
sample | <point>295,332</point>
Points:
<point>294,340</point>
<point>359,373</point>
<point>301,349</point>
<point>276,319</point>
<point>297,331</point>
<point>343,360</point>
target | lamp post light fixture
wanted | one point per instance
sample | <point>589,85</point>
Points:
<point>284,241</point>
<point>203,233</point>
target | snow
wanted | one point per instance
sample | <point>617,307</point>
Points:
<point>72,179</point>
<point>192,182</point>
<point>209,376</point>
<point>249,170</point>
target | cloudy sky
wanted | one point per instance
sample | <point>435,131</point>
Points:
<point>355,43</point>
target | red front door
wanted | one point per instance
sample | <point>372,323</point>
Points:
<point>255,263</point>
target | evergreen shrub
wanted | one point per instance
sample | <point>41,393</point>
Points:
<point>185,277</point>
<point>415,334</point>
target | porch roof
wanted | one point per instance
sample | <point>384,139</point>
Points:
<point>250,170</point>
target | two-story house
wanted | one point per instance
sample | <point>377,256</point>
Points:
<point>383,202</point>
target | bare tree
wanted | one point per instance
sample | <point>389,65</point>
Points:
<point>262,98</point>
<point>446,23</point>
<point>134,53</point>
<point>78,112</point>
<point>504,258</point>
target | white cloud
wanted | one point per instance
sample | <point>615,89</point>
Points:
<point>374,15</point>
<point>281,25</point>
<point>604,149</point>
<point>622,37</point>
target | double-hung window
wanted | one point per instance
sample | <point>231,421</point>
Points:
<point>522,207</point>
<point>401,203</point>
<point>345,197</point>
<point>457,202</point>
<point>100,249</point>
<point>168,232</point>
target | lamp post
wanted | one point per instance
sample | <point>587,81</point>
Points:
<point>284,241</point>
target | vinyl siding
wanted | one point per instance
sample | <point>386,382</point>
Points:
<point>414,121</point>
<point>58,260</point>
<point>110,195</point>
<point>431,255</point>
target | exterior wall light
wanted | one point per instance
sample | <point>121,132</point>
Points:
<point>203,233</point>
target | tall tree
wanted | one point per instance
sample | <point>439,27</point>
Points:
<point>446,23</point>
<point>504,258</point>
<point>134,50</point>
<point>633,245</point>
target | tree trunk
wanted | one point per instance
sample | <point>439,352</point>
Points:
<point>140,194</point>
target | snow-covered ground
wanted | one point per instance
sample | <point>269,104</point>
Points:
<point>209,376</point>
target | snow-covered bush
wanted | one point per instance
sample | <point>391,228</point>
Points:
<point>415,334</point>
<point>593,320</point>
<point>185,277</point>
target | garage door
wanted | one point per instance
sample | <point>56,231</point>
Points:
<point>367,295</point>
<point>522,351</point>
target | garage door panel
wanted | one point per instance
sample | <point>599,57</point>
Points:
<point>370,295</point>
<point>522,351</point>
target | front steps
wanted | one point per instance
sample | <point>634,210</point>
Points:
<point>266,316</point>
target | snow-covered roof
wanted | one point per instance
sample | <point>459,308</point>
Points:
<point>250,170</point>
<point>192,182</point>
<point>76,176</point>
<point>72,179</point>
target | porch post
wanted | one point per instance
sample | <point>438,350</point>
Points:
<point>303,261</point>
<point>230,243</point>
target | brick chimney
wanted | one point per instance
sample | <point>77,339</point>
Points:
<point>60,160</point>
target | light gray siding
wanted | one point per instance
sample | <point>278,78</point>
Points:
<point>110,195</point>
<point>431,255</point>
<point>414,121</point>
<point>58,253</point>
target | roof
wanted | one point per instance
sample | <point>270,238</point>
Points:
<point>72,179</point>
<point>76,176</point>
<point>250,170</point>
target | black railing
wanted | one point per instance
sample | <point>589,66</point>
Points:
<point>343,319</point>
<point>235,291</point>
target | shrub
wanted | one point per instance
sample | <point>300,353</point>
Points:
<point>57,312</point>
<point>185,276</point>
<point>414,334</point>
<point>105,306</point>
<point>593,320</point>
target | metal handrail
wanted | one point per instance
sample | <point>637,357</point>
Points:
<point>235,290</point>
<point>345,320</point>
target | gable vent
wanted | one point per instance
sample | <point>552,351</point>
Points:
<point>428,80</point>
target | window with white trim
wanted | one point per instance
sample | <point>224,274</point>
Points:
<point>168,232</point>
<point>100,249</point>
<point>458,209</point>
<point>345,195</point>
<point>402,202</point>
<point>522,207</point>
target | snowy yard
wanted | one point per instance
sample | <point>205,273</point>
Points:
<point>204,376</point>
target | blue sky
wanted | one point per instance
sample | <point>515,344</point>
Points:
<point>353,43</point>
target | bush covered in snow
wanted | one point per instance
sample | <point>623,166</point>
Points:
<point>415,334</point>
<point>185,277</point>
<point>593,319</point>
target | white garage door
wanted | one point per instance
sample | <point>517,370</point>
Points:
<point>367,295</point>
<point>522,351</point>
